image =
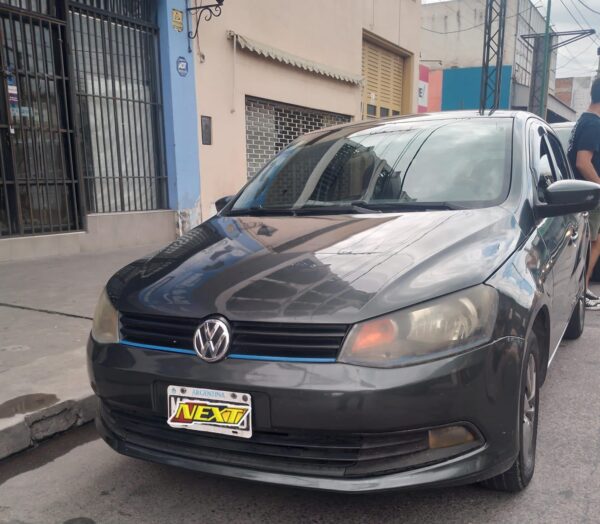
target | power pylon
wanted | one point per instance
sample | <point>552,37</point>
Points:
<point>540,73</point>
<point>493,51</point>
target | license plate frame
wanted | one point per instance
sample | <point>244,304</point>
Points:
<point>209,411</point>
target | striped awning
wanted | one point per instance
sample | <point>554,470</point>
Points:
<point>278,55</point>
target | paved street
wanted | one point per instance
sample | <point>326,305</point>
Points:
<point>76,478</point>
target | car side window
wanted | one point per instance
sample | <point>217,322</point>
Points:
<point>543,162</point>
<point>560,160</point>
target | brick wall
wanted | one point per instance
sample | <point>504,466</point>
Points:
<point>270,126</point>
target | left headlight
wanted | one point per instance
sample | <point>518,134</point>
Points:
<point>105,328</point>
<point>427,331</point>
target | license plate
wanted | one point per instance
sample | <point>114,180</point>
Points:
<point>210,410</point>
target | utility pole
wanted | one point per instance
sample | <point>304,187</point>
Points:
<point>493,52</point>
<point>546,70</point>
<point>543,45</point>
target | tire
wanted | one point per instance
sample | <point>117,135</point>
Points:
<point>577,322</point>
<point>521,472</point>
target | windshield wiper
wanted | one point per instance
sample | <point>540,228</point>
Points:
<point>351,208</point>
<point>261,211</point>
<point>408,206</point>
<point>358,206</point>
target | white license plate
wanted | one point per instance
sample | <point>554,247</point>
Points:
<point>210,410</point>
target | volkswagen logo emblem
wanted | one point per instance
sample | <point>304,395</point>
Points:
<point>211,339</point>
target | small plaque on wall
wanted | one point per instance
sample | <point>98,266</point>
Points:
<point>206,127</point>
<point>177,20</point>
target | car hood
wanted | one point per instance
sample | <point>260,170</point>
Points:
<point>330,269</point>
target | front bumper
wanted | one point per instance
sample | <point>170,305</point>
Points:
<point>334,401</point>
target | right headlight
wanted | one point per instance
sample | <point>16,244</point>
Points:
<point>105,328</point>
<point>427,331</point>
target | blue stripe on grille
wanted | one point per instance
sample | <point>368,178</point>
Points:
<point>233,356</point>
<point>158,348</point>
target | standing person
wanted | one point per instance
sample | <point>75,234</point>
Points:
<point>584,156</point>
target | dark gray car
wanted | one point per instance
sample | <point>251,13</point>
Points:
<point>376,309</point>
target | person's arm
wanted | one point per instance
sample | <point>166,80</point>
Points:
<point>586,167</point>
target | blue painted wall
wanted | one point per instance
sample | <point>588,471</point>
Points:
<point>461,88</point>
<point>180,114</point>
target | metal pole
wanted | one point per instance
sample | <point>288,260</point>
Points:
<point>546,73</point>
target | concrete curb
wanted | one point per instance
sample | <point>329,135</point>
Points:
<point>27,430</point>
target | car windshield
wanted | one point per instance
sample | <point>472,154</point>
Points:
<point>448,164</point>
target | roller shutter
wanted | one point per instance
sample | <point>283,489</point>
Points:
<point>383,73</point>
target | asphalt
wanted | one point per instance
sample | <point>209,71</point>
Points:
<point>77,479</point>
<point>46,307</point>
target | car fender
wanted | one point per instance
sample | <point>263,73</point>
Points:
<point>525,286</point>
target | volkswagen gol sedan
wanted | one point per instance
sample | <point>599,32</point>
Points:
<point>376,309</point>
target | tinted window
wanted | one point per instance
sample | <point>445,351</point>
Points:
<point>560,159</point>
<point>461,162</point>
<point>466,162</point>
<point>543,163</point>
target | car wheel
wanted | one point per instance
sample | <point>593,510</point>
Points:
<point>577,322</point>
<point>521,472</point>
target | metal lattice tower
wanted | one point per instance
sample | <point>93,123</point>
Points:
<point>493,51</point>
<point>540,70</point>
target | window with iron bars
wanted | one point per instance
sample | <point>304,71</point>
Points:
<point>118,92</point>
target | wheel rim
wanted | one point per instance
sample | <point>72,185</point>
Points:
<point>529,412</point>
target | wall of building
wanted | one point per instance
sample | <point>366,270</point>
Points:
<point>104,232</point>
<point>564,90</point>
<point>328,33</point>
<point>581,97</point>
<point>461,88</point>
<point>575,92</point>
<point>179,115</point>
<point>436,80</point>
<point>453,35</point>
<point>123,115</point>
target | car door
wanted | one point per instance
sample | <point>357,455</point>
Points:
<point>554,232</point>
<point>575,253</point>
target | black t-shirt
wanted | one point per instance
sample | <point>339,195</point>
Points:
<point>585,137</point>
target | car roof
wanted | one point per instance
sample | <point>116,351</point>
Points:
<point>430,117</point>
<point>563,125</point>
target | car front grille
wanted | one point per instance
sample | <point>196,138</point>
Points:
<point>319,454</point>
<point>259,339</point>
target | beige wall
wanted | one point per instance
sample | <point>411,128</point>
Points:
<point>105,232</point>
<point>328,32</point>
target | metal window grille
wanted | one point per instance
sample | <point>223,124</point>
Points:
<point>135,10</point>
<point>115,59</point>
<point>270,126</point>
<point>39,190</point>
<point>42,7</point>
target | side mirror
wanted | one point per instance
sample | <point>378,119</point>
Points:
<point>566,197</point>
<point>222,202</point>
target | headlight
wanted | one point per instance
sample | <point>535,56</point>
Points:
<point>431,330</point>
<point>105,328</point>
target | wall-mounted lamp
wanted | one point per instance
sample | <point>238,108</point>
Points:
<point>202,11</point>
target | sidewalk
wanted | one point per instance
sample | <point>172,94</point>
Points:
<point>46,308</point>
